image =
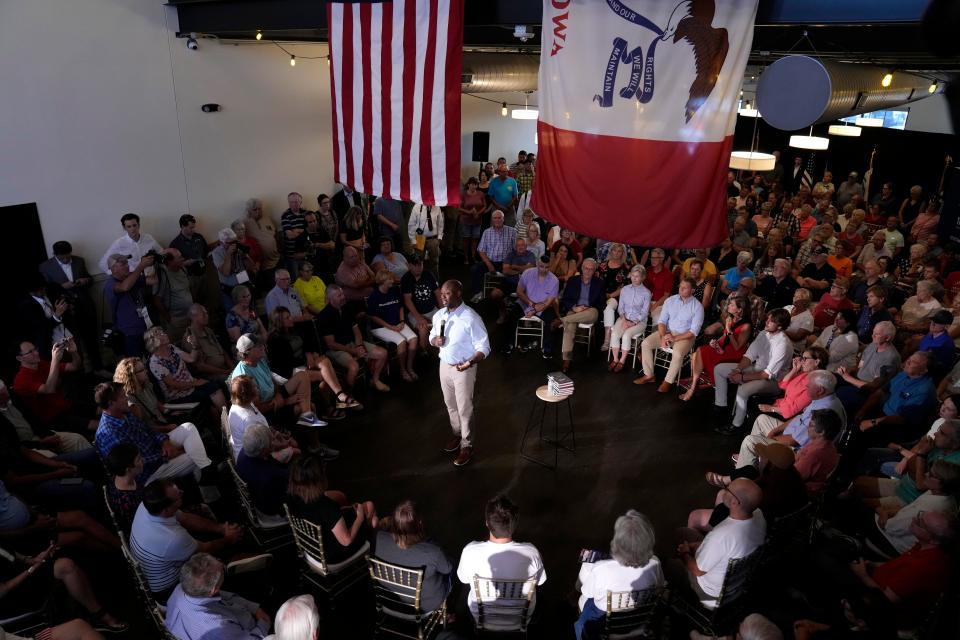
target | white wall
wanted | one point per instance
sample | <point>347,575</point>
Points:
<point>931,115</point>
<point>507,136</point>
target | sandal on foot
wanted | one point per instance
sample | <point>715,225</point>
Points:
<point>346,401</point>
<point>618,368</point>
<point>715,479</point>
<point>100,623</point>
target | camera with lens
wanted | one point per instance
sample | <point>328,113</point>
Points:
<point>243,248</point>
<point>158,258</point>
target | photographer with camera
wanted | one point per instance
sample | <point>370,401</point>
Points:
<point>172,296</point>
<point>39,384</point>
<point>39,318</point>
<point>126,293</point>
<point>194,248</point>
<point>233,264</point>
<point>134,244</point>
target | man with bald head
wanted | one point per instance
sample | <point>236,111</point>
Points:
<point>462,339</point>
<point>740,534</point>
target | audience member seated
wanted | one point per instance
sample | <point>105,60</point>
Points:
<point>514,264</point>
<point>817,276</point>
<point>832,302</point>
<point>840,340</point>
<point>580,303</point>
<point>403,541</point>
<point>897,411</point>
<point>345,527</point>
<point>801,319</point>
<point>499,557</point>
<point>124,464</point>
<point>276,392</point>
<point>893,459</point>
<point>874,250</point>
<point>562,265</point>
<point>730,280</point>
<point>495,243</point>
<point>872,313</point>
<point>212,361</point>
<point>765,362</point>
<point>779,287</point>
<point>132,374</point>
<point>39,384</point>
<point>729,345</point>
<point>337,324</point>
<point>878,363</point>
<point>421,298</point>
<point>794,432</point>
<point>659,281</point>
<point>632,566</point>
<point>794,384</point>
<point>569,240</point>
<point>776,475</point>
<point>312,290</point>
<point>938,343</point>
<point>893,239</point>
<point>389,260</point>
<point>40,439</point>
<point>633,309</point>
<point>703,287</point>
<point>354,276</point>
<point>24,526</point>
<point>242,317</point>
<point>161,539</point>
<point>198,610</point>
<point>126,294</point>
<point>704,559</point>
<point>385,312</point>
<point>288,354</point>
<point>297,619</point>
<point>615,274</point>
<point>166,455</point>
<point>914,316</point>
<point>679,324</point>
<point>283,295</point>
<point>244,413</point>
<point>27,583</point>
<point>266,476</point>
<point>169,368</point>
<point>537,294</point>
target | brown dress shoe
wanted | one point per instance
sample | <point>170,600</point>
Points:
<point>453,445</point>
<point>465,455</point>
<point>644,380</point>
<point>665,387</point>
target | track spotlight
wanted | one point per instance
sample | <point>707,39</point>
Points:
<point>887,80</point>
<point>259,35</point>
<point>293,60</point>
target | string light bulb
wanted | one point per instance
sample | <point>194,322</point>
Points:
<point>503,110</point>
<point>259,35</point>
<point>887,80</point>
<point>293,60</point>
<point>933,87</point>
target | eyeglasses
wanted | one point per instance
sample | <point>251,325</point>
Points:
<point>28,352</point>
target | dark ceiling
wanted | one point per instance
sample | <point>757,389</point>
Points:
<point>883,33</point>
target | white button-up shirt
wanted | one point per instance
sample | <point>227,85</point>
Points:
<point>127,246</point>
<point>418,220</point>
<point>771,353</point>
<point>464,332</point>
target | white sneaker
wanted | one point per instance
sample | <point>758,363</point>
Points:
<point>477,297</point>
<point>250,565</point>
<point>309,419</point>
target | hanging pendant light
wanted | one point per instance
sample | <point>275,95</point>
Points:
<point>809,141</point>
<point>868,122</point>
<point>526,113</point>
<point>844,129</point>
<point>747,111</point>
<point>752,160</point>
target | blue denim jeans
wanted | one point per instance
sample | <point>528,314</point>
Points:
<point>590,622</point>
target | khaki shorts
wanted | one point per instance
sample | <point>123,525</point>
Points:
<point>343,358</point>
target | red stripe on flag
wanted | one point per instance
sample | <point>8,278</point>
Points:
<point>409,80</point>
<point>346,93</point>
<point>654,191</point>
<point>386,112</point>
<point>454,65</point>
<point>426,122</point>
<point>333,101</point>
<point>367,107</point>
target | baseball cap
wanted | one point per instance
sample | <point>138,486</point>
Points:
<point>942,317</point>
<point>115,258</point>
<point>780,455</point>
<point>247,342</point>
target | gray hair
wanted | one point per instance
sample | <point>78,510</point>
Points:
<point>496,213</point>
<point>280,272</point>
<point>195,309</point>
<point>590,260</point>
<point>226,235</point>
<point>633,539</point>
<point>333,287</point>
<point>251,204</point>
<point>297,619</point>
<point>641,269</point>
<point>256,440</point>
<point>239,222</point>
<point>953,437</point>
<point>238,291</point>
<point>744,255</point>
<point>887,328</point>
<point>201,575</point>
<point>824,380</point>
<point>756,627</point>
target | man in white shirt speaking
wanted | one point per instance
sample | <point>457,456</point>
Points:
<point>459,333</point>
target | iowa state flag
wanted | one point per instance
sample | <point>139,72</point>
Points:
<point>638,101</point>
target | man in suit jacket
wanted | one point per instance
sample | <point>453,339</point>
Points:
<point>581,302</point>
<point>794,176</point>
<point>344,199</point>
<point>66,276</point>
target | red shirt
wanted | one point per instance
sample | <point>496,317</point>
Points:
<point>826,310</point>
<point>573,249</point>
<point>46,406</point>
<point>660,284</point>
<point>805,227</point>
<point>815,462</point>
<point>917,577</point>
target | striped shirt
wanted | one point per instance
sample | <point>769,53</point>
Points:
<point>497,244</point>
<point>288,222</point>
<point>225,616</point>
<point>161,546</point>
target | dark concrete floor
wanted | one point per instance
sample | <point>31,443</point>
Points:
<point>635,448</point>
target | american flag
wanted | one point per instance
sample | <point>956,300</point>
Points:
<point>807,177</point>
<point>395,87</point>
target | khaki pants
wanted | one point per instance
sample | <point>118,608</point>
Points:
<point>762,426</point>
<point>431,258</point>
<point>457,387</point>
<point>680,350</point>
<point>570,322</point>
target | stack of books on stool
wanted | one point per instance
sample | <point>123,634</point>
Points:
<point>559,384</point>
